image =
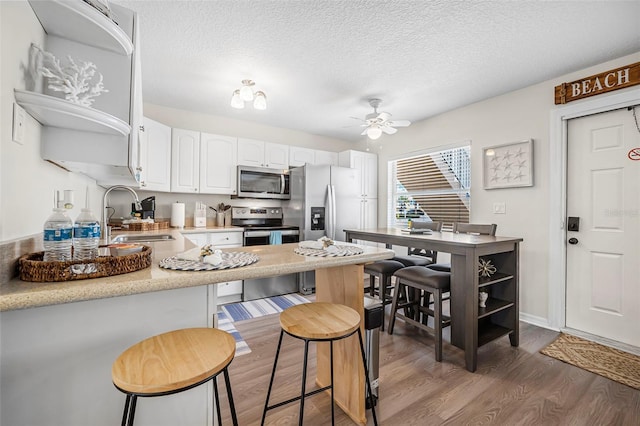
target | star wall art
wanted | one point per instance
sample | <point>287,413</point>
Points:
<point>509,165</point>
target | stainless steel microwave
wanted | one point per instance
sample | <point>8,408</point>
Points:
<point>258,182</point>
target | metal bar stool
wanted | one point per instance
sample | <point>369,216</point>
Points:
<point>174,362</point>
<point>318,322</point>
<point>423,282</point>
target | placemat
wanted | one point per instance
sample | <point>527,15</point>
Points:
<point>230,259</point>
<point>342,251</point>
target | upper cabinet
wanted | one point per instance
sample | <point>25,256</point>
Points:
<point>203,163</point>
<point>155,156</point>
<point>218,161</point>
<point>367,164</point>
<point>256,153</point>
<point>326,157</point>
<point>78,21</point>
<point>101,141</point>
<point>185,161</point>
<point>299,156</point>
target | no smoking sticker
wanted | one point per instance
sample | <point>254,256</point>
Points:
<point>634,154</point>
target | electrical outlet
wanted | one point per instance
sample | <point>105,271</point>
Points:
<point>19,118</point>
<point>499,208</point>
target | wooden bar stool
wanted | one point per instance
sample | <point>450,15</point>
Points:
<point>318,322</point>
<point>422,283</point>
<point>174,362</point>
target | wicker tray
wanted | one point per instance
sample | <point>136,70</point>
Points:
<point>33,268</point>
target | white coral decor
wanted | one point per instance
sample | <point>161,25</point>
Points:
<point>75,80</point>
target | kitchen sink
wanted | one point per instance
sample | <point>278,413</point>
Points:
<point>151,238</point>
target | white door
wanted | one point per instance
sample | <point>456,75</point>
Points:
<point>603,260</point>
<point>218,164</point>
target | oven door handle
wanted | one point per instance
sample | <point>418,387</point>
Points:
<point>254,234</point>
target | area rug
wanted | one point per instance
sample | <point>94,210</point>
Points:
<point>261,307</point>
<point>225,324</point>
<point>611,363</point>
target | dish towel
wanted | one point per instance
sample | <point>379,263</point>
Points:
<point>275,237</point>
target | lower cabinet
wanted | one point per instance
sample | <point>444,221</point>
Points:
<point>55,361</point>
<point>230,291</point>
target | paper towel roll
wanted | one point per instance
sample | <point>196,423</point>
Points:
<point>177,215</point>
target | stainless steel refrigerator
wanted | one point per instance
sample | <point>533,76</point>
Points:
<point>325,200</point>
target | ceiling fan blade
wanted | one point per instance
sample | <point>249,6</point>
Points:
<point>359,119</point>
<point>364,132</point>
<point>400,123</point>
<point>389,130</point>
<point>384,116</point>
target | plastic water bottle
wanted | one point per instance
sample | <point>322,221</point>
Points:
<point>86,236</point>
<point>58,237</point>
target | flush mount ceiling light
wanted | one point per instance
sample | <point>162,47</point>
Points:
<point>246,94</point>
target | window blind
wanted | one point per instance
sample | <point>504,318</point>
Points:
<point>433,186</point>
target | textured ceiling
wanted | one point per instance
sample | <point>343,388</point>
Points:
<point>319,61</point>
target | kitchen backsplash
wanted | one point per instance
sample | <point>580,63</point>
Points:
<point>11,251</point>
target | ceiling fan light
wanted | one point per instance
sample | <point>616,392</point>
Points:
<point>374,132</point>
<point>246,92</point>
<point>260,102</point>
<point>236,101</point>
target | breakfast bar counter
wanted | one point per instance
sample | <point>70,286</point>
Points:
<point>274,260</point>
<point>59,339</point>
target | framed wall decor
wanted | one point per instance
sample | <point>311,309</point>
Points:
<point>509,165</point>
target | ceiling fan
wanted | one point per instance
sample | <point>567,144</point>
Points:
<point>376,123</point>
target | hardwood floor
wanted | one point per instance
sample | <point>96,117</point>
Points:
<point>512,386</point>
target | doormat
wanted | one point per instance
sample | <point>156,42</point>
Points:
<point>225,324</point>
<point>261,307</point>
<point>611,363</point>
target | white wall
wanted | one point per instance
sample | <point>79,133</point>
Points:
<point>228,126</point>
<point>27,182</point>
<point>515,116</point>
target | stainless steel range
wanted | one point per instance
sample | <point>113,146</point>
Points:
<point>263,226</point>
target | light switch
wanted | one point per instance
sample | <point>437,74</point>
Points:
<point>18,123</point>
<point>499,208</point>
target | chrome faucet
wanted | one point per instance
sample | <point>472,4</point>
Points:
<point>106,231</point>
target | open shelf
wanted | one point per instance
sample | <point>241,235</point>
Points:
<point>493,306</point>
<point>490,332</point>
<point>76,20</point>
<point>56,112</point>
<point>493,279</point>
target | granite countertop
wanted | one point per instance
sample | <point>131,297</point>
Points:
<point>274,260</point>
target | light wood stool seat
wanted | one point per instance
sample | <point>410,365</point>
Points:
<point>174,362</point>
<point>317,322</point>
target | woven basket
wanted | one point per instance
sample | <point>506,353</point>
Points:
<point>145,226</point>
<point>33,268</point>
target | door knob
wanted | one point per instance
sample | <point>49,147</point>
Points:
<point>573,241</point>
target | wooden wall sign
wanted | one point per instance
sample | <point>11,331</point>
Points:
<point>599,83</point>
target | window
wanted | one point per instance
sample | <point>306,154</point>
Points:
<point>430,186</point>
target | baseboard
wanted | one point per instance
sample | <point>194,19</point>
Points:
<point>537,321</point>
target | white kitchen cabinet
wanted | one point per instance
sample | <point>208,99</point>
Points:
<point>155,156</point>
<point>326,157</point>
<point>299,156</point>
<point>100,141</point>
<point>367,164</point>
<point>230,291</point>
<point>257,153</point>
<point>185,161</point>
<point>218,161</point>
<point>202,162</point>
